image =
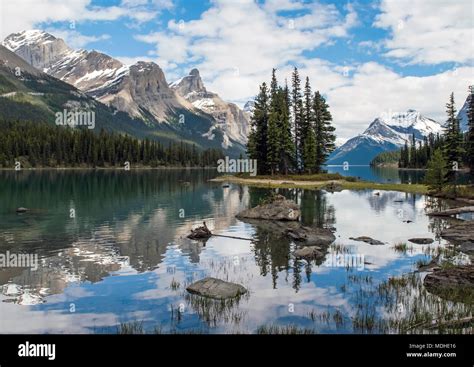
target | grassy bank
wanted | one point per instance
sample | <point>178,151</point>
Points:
<point>315,182</point>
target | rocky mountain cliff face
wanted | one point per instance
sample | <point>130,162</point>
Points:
<point>141,89</point>
<point>233,121</point>
<point>462,115</point>
<point>384,134</point>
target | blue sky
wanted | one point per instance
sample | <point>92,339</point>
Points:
<point>366,57</point>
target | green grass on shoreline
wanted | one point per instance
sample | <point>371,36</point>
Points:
<point>316,182</point>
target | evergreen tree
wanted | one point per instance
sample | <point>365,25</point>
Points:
<point>286,141</point>
<point>470,132</point>
<point>324,131</point>
<point>309,153</point>
<point>436,173</point>
<point>297,105</point>
<point>453,140</point>
<point>307,117</point>
<point>273,139</point>
<point>257,146</point>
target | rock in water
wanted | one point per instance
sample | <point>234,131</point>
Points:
<point>311,236</point>
<point>453,283</point>
<point>278,209</point>
<point>200,232</point>
<point>21,210</point>
<point>309,252</point>
<point>368,240</point>
<point>421,241</point>
<point>216,288</point>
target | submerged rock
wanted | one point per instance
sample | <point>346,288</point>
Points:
<point>278,209</point>
<point>453,283</point>
<point>21,210</point>
<point>309,252</point>
<point>216,288</point>
<point>310,236</point>
<point>421,241</point>
<point>368,240</point>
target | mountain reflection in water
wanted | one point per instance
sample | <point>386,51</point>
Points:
<point>124,256</point>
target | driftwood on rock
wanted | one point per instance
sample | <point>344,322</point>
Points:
<point>200,233</point>
<point>453,211</point>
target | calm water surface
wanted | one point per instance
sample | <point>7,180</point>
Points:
<point>389,174</point>
<point>124,256</point>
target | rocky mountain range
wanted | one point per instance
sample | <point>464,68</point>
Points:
<point>384,134</point>
<point>141,89</point>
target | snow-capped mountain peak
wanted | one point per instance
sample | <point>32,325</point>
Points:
<point>387,132</point>
<point>29,37</point>
<point>230,119</point>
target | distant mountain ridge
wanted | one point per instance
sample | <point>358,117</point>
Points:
<point>384,134</point>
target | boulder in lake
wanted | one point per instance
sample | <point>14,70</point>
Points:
<point>216,288</point>
<point>368,240</point>
<point>279,208</point>
<point>421,241</point>
<point>310,236</point>
<point>309,252</point>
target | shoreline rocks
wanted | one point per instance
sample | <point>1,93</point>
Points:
<point>459,233</point>
<point>217,289</point>
<point>453,283</point>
